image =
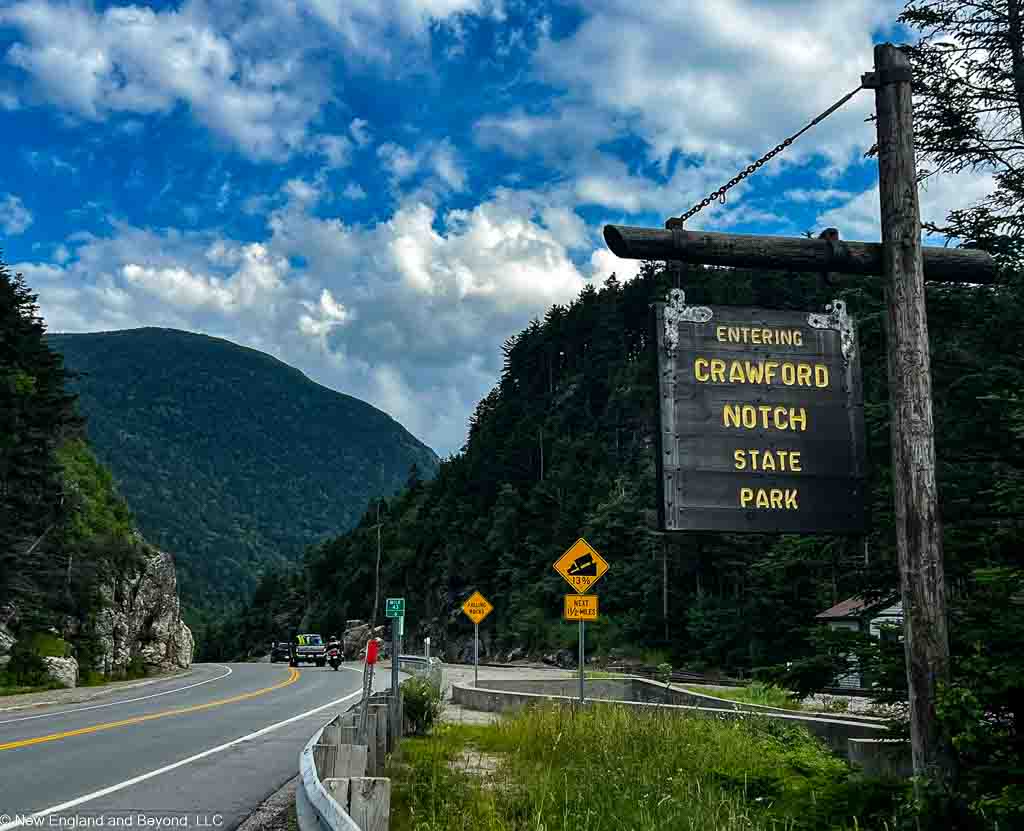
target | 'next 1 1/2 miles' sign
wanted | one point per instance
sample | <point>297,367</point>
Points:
<point>761,420</point>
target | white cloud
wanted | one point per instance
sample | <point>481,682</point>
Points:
<point>604,263</point>
<point>14,216</point>
<point>360,131</point>
<point>724,80</point>
<point>253,75</point>
<point>437,158</point>
<point>354,191</point>
<point>858,219</point>
<point>408,314</point>
<point>805,195</point>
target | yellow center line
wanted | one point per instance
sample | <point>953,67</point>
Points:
<point>293,676</point>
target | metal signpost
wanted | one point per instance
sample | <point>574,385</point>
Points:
<point>394,608</point>
<point>476,608</point>
<point>581,567</point>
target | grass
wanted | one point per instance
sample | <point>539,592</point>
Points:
<point>612,768</point>
<point>767,695</point>
<point>22,690</point>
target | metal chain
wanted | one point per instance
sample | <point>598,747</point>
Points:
<point>743,174</point>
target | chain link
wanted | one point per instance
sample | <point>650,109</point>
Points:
<point>751,168</point>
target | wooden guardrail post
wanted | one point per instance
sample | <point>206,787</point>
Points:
<point>370,803</point>
<point>371,743</point>
<point>379,737</point>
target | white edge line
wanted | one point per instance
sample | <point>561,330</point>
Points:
<point>33,819</point>
<point>123,701</point>
<point>104,690</point>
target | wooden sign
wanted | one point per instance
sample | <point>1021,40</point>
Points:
<point>761,420</point>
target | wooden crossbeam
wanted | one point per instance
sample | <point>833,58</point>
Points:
<point>954,265</point>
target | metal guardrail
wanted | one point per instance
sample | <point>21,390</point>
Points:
<point>336,793</point>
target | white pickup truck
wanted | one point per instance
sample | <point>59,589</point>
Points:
<point>309,649</point>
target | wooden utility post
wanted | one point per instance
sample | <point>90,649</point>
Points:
<point>905,266</point>
<point>918,526</point>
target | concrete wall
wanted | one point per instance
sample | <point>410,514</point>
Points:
<point>645,691</point>
<point>508,696</point>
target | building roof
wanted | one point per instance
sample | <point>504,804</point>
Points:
<point>853,607</point>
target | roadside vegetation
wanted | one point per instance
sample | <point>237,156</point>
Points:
<point>555,769</point>
<point>767,695</point>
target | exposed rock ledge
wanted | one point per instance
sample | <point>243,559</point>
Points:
<point>141,617</point>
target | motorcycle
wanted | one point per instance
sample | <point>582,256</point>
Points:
<point>334,658</point>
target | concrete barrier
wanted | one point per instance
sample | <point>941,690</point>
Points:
<point>837,732</point>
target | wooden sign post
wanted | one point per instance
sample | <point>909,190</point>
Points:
<point>905,266</point>
<point>918,526</point>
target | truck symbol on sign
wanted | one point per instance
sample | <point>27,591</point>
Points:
<point>584,566</point>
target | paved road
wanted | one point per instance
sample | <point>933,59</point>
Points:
<point>200,751</point>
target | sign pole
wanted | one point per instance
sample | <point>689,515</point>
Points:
<point>582,624</point>
<point>918,525</point>
<point>396,731</point>
<point>476,654</point>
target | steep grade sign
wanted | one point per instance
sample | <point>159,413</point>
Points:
<point>761,420</point>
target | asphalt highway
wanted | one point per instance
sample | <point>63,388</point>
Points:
<point>196,751</point>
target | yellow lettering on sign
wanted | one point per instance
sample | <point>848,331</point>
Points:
<point>765,337</point>
<point>764,416</point>
<point>789,374</point>
<point>700,368</point>
<point>772,461</point>
<point>773,499</point>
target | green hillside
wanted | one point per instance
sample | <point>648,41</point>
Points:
<point>564,446</point>
<point>230,458</point>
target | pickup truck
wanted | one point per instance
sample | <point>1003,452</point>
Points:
<point>309,649</point>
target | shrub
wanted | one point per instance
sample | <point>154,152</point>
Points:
<point>422,701</point>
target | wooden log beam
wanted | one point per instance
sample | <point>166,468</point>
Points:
<point>953,265</point>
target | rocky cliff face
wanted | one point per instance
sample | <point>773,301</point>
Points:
<point>141,617</point>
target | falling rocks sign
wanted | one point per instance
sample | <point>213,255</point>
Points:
<point>761,420</point>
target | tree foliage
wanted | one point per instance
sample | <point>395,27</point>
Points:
<point>969,111</point>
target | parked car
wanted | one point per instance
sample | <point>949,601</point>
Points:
<point>309,649</point>
<point>280,652</point>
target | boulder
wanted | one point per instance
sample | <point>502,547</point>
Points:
<point>354,638</point>
<point>62,670</point>
<point>141,618</point>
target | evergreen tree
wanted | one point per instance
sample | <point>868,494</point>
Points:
<point>36,414</point>
<point>969,110</point>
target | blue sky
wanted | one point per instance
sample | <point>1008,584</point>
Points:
<point>379,192</point>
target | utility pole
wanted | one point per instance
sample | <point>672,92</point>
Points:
<point>918,525</point>
<point>376,579</point>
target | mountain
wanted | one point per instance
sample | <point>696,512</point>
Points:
<point>229,458</point>
<point>564,446</point>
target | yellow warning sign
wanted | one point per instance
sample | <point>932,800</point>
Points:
<point>477,607</point>
<point>580,607</point>
<point>581,566</point>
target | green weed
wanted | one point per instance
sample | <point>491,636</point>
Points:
<point>611,768</point>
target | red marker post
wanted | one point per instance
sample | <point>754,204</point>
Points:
<point>372,653</point>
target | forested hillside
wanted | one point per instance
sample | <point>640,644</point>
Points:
<point>232,459</point>
<point>563,446</point>
<point>67,537</point>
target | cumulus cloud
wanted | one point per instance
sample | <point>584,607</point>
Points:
<point>251,74</point>
<point>14,216</point>
<point>408,313</point>
<point>437,159</point>
<point>858,218</point>
<point>710,80</point>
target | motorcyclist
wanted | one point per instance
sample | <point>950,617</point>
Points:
<point>333,643</point>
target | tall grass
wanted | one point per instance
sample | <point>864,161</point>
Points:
<point>611,768</point>
<point>767,695</point>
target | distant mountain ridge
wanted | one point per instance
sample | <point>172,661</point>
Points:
<point>228,457</point>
